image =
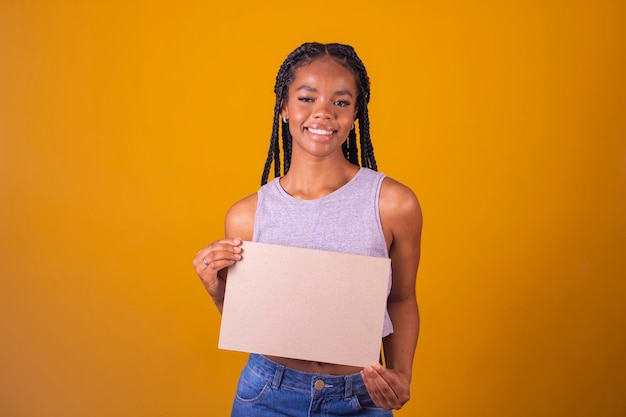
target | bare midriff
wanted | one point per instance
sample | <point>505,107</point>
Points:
<point>315,367</point>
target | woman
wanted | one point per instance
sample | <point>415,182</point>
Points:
<point>326,201</point>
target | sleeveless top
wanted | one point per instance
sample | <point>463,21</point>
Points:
<point>346,221</point>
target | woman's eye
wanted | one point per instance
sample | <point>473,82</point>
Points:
<point>342,103</point>
<point>305,99</point>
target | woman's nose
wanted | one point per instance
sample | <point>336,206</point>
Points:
<point>322,110</point>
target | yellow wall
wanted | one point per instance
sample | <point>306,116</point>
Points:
<point>127,128</point>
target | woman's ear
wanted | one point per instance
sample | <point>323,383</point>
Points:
<point>283,111</point>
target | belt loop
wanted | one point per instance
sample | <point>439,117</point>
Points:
<point>278,376</point>
<point>348,384</point>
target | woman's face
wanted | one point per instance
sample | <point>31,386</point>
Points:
<point>321,107</point>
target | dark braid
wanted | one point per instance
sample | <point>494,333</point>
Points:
<point>350,150</point>
<point>304,55</point>
<point>367,149</point>
<point>286,145</point>
<point>274,152</point>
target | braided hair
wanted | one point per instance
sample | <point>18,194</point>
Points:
<point>300,57</point>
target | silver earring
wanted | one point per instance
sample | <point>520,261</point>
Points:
<point>285,120</point>
<point>352,128</point>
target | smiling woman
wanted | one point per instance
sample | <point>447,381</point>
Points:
<point>346,57</point>
<point>324,200</point>
<point>321,109</point>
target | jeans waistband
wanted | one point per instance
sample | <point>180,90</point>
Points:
<point>322,384</point>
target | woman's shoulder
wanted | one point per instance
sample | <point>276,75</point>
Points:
<point>239,220</point>
<point>394,191</point>
<point>397,199</point>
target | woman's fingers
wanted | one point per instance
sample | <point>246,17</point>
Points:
<point>220,250</point>
<point>387,388</point>
<point>211,262</point>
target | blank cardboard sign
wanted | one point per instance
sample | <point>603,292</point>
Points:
<point>305,304</point>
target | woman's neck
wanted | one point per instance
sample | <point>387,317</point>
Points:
<point>310,180</point>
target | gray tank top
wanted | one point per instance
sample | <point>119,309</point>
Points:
<point>346,221</point>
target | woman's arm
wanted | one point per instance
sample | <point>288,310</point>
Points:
<point>211,263</point>
<point>401,218</point>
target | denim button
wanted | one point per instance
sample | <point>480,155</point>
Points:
<point>319,385</point>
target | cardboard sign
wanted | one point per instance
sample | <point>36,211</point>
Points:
<point>305,304</point>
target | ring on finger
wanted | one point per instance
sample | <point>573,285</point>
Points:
<point>204,261</point>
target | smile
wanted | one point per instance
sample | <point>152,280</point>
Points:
<point>320,131</point>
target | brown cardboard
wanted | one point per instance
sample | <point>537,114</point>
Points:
<point>305,304</point>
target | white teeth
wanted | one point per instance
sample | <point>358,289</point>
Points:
<point>320,131</point>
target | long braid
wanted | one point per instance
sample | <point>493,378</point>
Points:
<point>301,56</point>
<point>367,149</point>
<point>286,145</point>
<point>350,150</point>
<point>273,154</point>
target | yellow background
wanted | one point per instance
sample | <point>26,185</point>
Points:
<point>127,128</point>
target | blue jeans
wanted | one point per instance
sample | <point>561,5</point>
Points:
<point>268,389</point>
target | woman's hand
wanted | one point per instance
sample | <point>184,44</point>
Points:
<point>211,264</point>
<point>387,388</point>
